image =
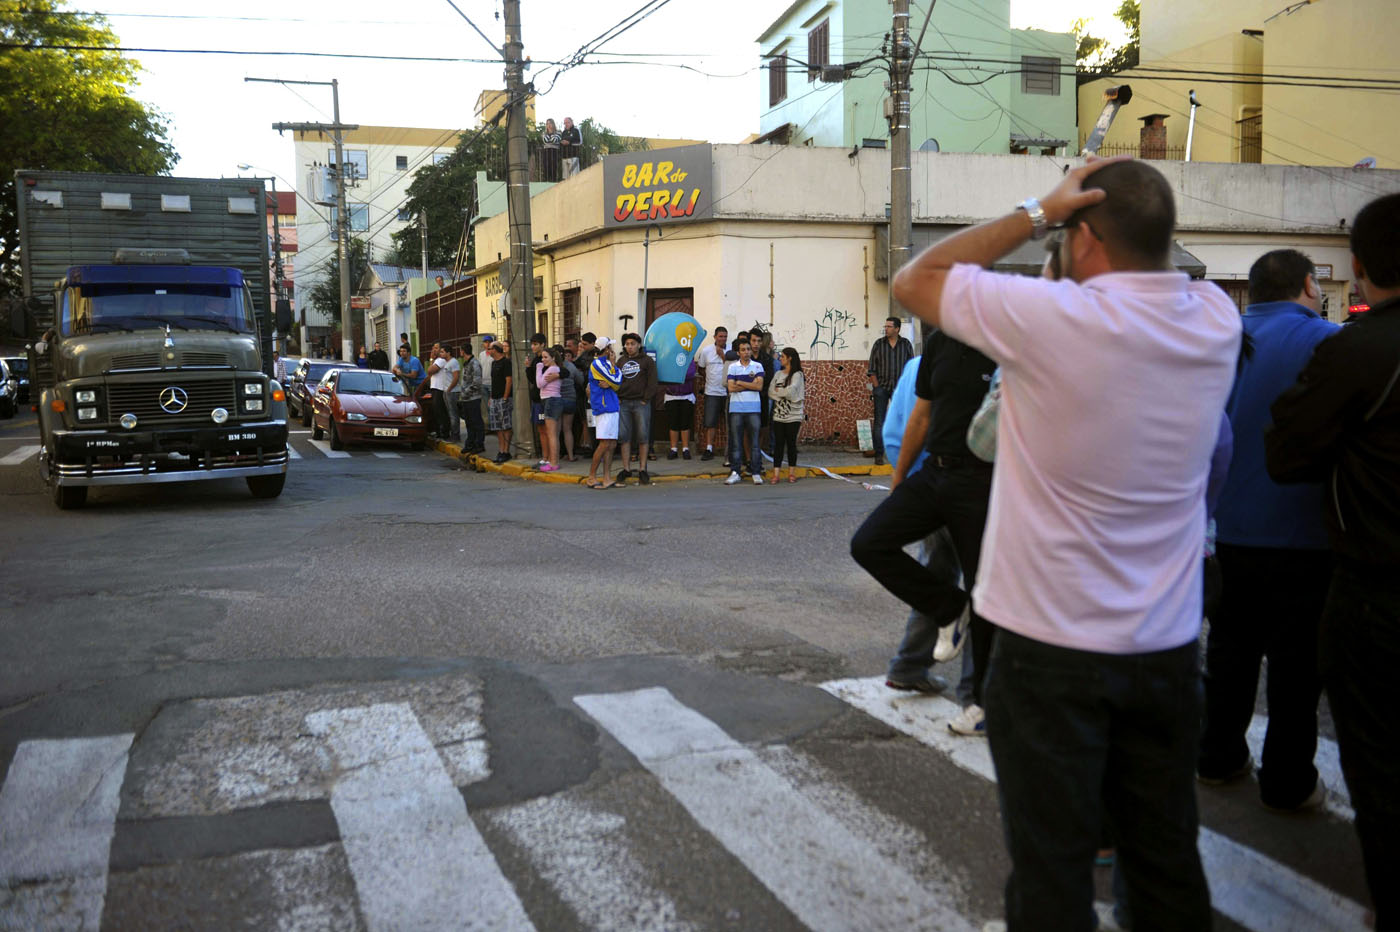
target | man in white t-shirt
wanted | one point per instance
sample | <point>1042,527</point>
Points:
<point>1113,384</point>
<point>710,363</point>
<point>443,375</point>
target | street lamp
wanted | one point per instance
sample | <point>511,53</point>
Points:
<point>277,240</point>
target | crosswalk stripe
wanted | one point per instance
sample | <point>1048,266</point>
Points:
<point>1248,887</point>
<point>1328,761</point>
<point>386,454</point>
<point>292,453</point>
<point>828,876</point>
<point>415,853</point>
<point>326,449</point>
<point>58,812</point>
<point>19,455</point>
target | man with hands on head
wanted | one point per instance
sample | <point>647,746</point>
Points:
<point>1113,383</point>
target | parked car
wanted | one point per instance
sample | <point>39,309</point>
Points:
<point>365,405</point>
<point>301,384</point>
<point>19,371</point>
<point>9,391</point>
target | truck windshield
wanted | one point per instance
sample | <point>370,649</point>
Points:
<point>95,308</point>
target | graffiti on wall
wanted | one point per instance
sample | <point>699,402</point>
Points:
<point>832,328</point>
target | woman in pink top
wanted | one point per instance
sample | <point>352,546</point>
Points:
<point>547,378</point>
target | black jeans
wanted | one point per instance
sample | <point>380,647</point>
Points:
<point>476,427</point>
<point>1270,606</point>
<point>1360,657</point>
<point>934,497</point>
<point>440,425</point>
<point>785,441</point>
<point>1079,736</point>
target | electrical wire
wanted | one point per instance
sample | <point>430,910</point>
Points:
<point>483,35</point>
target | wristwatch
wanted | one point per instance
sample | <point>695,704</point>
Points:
<point>1036,214</point>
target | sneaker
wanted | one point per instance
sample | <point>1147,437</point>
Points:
<point>1230,776</point>
<point>971,721</point>
<point>924,684</point>
<point>757,479</point>
<point>733,479</point>
<point>951,638</point>
<point>685,454</point>
<point>623,476</point>
<point>548,467</point>
<point>673,454</point>
<point>707,455</point>
<point>726,464</point>
<point>644,478</point>
<point>1315,799</point>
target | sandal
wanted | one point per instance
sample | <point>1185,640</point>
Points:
<point>591,483</point>
<point>600,486</point>
<point>792,478</point>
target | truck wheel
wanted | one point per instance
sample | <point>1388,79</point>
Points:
<point>315,429</point>
<point>69,496</point>
<point>267,486</point>
<point>335,436</point>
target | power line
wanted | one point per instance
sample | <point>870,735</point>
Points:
<point>483,35</point>
<point>37,46</point>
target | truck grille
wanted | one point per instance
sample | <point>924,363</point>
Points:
<point>204,359</point>
<point>136,361</point>
<point>143,400</point>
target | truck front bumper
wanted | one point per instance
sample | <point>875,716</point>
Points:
<point>121,457</point>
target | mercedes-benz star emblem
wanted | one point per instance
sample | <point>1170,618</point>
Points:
<point>173,399</point>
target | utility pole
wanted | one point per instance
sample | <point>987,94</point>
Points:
<point>342,223</point>
<point>520,292</point>
<point>423,237</point>
<point>901,206</point>
<point>279,291</point>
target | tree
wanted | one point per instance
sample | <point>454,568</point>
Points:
<point>67,109</point>
<point>1093,56</point>
<point>445,193</point>
<point>325,294</point>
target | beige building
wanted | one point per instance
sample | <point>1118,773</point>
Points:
<point>793,238</point>
<point>1278,83</point>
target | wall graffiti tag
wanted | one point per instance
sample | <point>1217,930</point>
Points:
<point>832,327</point>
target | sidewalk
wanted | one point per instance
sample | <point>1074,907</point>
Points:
<point>811,461</point>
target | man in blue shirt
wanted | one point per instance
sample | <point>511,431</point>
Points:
<point>409,369</point>
<point>1274,557</point>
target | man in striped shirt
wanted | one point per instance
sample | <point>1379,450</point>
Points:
<point>887,359</point>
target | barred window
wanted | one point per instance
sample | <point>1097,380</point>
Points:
<point>818,49</point>
<point>1040,75</point>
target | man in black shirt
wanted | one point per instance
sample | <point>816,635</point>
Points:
<point>887,359</point>
<point>498,410</point>
<point>378,359</point>
<point>951,490</point>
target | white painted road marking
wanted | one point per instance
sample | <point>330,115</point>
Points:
<point>326,449</point>
<point>292,453</point>
<point>1327,760</point>
<point>417,858</point>
<point>1253,890</point>
<point>15,457</point>
<point>829,877</point>
<point>58,811</point>
<point>386,454</point>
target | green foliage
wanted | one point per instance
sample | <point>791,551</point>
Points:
<point>67,110</point>
<point>325,294</point>
<point>445,193</point>
<point>1094,57</point>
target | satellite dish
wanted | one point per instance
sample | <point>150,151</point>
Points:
<point>1368,162</point>
<point>929,145</point>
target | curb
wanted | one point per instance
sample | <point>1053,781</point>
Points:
<point>520,471</point>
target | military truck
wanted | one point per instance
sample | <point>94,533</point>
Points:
<point>150,330</point>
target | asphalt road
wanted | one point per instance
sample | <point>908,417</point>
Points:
<point>405,689</point>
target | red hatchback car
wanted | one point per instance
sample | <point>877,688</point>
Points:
<point>365,405</point>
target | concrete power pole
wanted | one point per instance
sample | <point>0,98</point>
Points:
<point>520,292</point>
<point>901,206</point>
<point>342,224</point>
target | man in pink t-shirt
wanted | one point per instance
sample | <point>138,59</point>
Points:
<point>1113,383</point>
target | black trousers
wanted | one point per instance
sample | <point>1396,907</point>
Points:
<point>1270,606</point>
<point>953,497</point>
<point>785,441</point>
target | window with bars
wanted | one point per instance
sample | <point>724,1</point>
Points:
<point>1252,138</point>
<point>818,49</point>
<point>1040,75</point>
<point>777,80</point>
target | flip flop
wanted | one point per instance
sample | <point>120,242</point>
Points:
<point>610,485</point>
<point>592,483</point>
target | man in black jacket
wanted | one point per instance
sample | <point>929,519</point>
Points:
<point>1340,425</point>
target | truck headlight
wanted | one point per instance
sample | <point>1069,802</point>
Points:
<point>87,414</point>
<point>252,404</point>
<point>355,416</point>
<point>252,388</point>
<point>85,396</point>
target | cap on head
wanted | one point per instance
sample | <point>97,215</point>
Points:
<point>603,343</point>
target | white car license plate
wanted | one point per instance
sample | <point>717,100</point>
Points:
<point>386,431</point>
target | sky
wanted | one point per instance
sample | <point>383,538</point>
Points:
<point>217,120</point>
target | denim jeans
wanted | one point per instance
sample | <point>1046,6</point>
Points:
<point>744,423</point>
<point>1359,656</point>
<point>470,410</point>
<point>449,401</point>
<point>932,498</point>
<point>915,654</point>
<point>881,399</point>
<point>1079,736</point>
<point>1270,606</point>
<point>634,422</point>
